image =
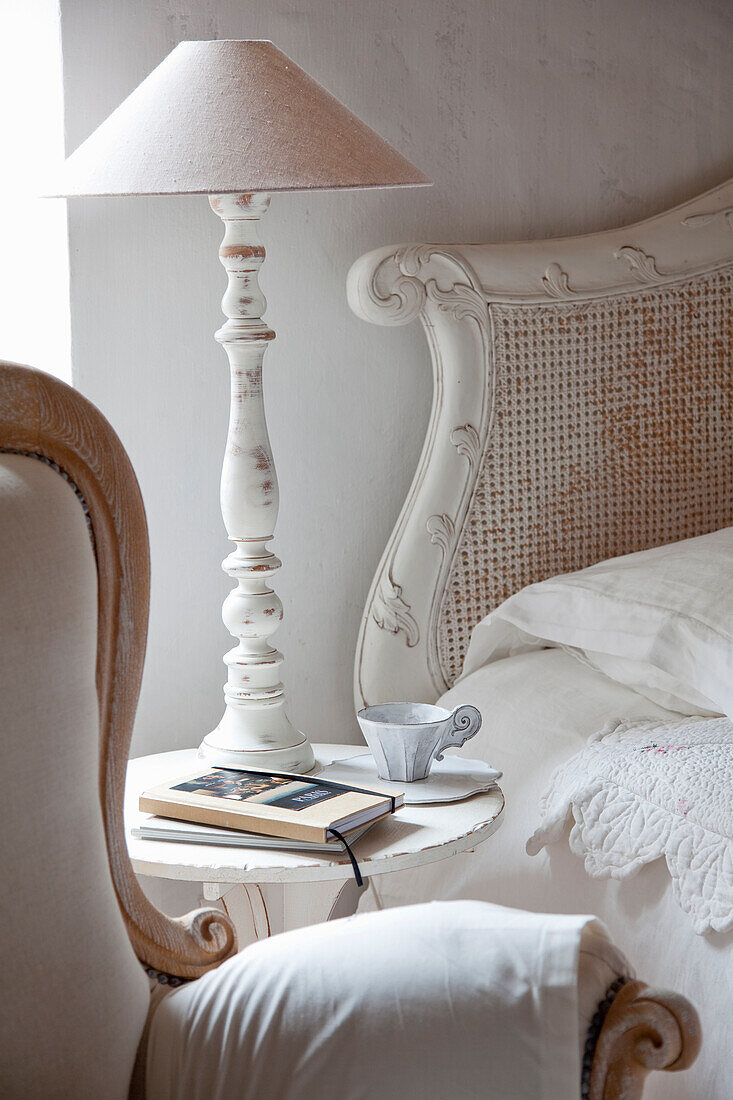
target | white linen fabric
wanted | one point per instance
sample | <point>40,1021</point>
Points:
<point>74,997</point>
<point>658,621</point>
<point>539,709</point>
<point>462,1000</point>
<point>642,791</point>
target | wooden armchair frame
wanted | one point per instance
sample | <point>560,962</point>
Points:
<point>637,1030</point>
<point>43,418</point>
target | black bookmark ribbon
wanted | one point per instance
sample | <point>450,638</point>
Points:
<point>352,857</point>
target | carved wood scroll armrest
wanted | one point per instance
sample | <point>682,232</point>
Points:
<point>644,1029</point>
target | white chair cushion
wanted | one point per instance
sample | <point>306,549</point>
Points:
<point>450,999</point>
<point>74,998</point>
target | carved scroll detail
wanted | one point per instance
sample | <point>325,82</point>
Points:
<point>438,285</point>
<point>396,290</point>
<point>645,1029</point>
<point>556,282</point>
<point>642,266</point>
<point>696,221</point>
<point>442,532</point>
<point>466,441</point>
<point>390,295</point>
<point>390,612</point>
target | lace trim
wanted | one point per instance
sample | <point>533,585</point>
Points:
<point>646,790</point>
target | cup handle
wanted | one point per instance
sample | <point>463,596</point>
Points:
<point>465,722</point>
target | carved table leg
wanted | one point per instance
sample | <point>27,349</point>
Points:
<point>262,911</point>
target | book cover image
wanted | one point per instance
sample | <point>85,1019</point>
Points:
<point>258,788</point>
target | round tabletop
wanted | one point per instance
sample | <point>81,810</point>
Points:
<point>413,836</point>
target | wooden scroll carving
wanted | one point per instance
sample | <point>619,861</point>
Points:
<point>645,1029</point>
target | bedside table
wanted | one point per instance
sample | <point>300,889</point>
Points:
<point>268,891</point>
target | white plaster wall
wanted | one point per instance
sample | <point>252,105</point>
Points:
<point>533,118</point>
<point>31,145</point>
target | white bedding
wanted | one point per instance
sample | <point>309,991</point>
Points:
<point>658,621</point>
<point>643,791</point>
<point>539,709</point>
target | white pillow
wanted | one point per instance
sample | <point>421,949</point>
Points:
<point>659,621</point>
<point>659,686</point>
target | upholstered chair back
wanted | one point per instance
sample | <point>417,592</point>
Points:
<point>74,995</point>
<point>76,929</point>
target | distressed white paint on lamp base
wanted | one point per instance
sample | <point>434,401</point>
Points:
<point>293,758</point>
<point>255,731</point>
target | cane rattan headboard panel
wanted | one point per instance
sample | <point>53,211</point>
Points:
<point>609,418</point>
<point>583,408</point>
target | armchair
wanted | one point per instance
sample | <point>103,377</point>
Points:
<point>76,1008</point>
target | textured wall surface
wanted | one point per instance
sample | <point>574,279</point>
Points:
<point>533,118</point>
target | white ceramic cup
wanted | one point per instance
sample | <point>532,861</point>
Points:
<point>405,738</point>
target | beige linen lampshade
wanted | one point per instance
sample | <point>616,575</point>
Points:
<point>227,117</point>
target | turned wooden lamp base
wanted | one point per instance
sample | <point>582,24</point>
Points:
<point>216,750</point>
<point>255,731</point>
<point>299,758</point>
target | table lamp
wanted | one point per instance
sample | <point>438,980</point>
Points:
<point>237,120</point>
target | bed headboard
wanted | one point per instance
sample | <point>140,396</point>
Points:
<point>582,408</point>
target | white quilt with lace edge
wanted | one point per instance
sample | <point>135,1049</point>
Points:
<point>643,790</point>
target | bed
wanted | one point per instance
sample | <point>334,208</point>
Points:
<point>582,410</point>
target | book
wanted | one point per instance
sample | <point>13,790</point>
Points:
<point>161,828</point>
<point>278,804</point>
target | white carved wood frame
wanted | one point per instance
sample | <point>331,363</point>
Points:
<point>451,289</point>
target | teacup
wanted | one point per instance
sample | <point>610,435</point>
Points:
<point>405,738</point>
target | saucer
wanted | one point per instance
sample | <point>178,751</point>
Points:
<point>451,779</point>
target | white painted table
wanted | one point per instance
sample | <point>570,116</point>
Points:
<point>267,891</point>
